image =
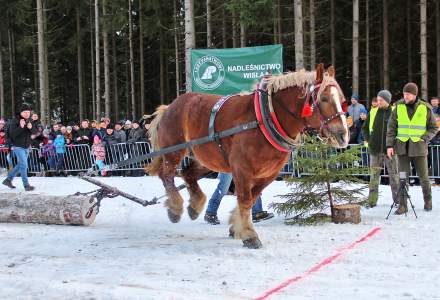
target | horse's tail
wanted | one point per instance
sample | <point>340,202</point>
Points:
<point>154,167</point>
<point>154,126</point>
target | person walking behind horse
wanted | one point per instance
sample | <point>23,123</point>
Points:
<point>410,128</point>
<point>225,179</point>
<point>375,132</point>
<point>20,132</point>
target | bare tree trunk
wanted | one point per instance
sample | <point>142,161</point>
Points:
<point>41,62</point>
<point>208,24</point>
<point>423,50</point>
<point>130,42</point>
<point>234,30</point>
<point>45,209</point>
<point>299,42</point>
<point>46,66</point>
<point>408,38</point>
<point>106,64</point>
<point>279,23</point>
<point>437,43</point>
<point>11,70</point>
<point>275,28</point>
<point>332,33</point>
<point>355,86</point>
<point>162,67</point>
<point>35,68</point>
<point>141,58</point>
<point>80,71</point>
<point>92,60</point>
<point>190,40</point>
<point>242,34</point>
<point>224,35</point>
<point>2,88</point>
<point>97,62</point>
<point>115,77</point>
<point>312,35</point>
<point>386,71</point>
<point>176,49</point>
<point>367,51</point>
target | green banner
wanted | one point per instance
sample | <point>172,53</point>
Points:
<point>231,71</point>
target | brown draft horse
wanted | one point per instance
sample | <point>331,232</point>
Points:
<point>252,160</point>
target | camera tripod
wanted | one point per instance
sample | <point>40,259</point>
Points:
<point>403,194</point>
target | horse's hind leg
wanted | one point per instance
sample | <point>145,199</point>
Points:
<point>197,198</point>
<point>174,203</point>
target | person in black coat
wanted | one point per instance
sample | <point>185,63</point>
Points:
<point>20,131</point>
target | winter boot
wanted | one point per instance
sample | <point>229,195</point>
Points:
<point>428,204</point>
<point>261,216</point>
<point>212,219</point>
<point>8,183</point>
<point>29,188</point>
<point>403,207</point>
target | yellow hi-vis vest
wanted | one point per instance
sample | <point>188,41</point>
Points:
<point>373,113</point>
<point>411,129</point>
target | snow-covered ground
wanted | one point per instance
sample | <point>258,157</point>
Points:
<point>132,252</point>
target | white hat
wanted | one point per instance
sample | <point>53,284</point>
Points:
<point>128,122</point>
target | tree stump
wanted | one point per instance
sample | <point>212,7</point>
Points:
<point>45,209</point>
<point>347,213</point>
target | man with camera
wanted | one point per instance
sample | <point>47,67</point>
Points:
<point>20,132</point>
<point>374,131</point>
<point>410,128</point>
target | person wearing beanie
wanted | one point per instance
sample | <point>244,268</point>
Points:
<point>410,128</point>
<point>374,131</point>
<point>354,110</point>
<point>20,132</point>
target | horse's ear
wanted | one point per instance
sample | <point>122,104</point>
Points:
<point>319,73</point>
<point>331,71</point>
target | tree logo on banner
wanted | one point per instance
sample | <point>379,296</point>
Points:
<point>208,72</point>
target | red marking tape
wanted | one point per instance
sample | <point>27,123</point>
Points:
<point>317,267</point>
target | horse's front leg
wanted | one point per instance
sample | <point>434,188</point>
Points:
<point>241,221</point>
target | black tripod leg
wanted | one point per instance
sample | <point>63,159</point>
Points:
<point>391,208</point>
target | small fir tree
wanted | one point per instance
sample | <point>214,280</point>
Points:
<point>329,176</point>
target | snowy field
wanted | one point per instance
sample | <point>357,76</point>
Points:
<point>132,252</point>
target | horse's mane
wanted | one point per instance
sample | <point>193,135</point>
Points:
<point>299,78</point>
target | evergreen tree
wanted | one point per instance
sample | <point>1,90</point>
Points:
<point>328,180</point>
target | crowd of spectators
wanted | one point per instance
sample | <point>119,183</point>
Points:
<point>56,139</point>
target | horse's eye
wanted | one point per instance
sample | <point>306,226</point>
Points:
<point>324,99</point>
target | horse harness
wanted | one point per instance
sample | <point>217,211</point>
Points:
<point>266,121</point>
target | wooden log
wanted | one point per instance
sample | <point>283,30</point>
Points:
<point>347,213</point>
<point>45,209</point>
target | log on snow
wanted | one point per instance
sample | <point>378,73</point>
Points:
<point>45,209</point>
<point>347,213</point>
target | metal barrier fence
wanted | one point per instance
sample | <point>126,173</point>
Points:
<point>364,160</point>
<point>80,158</point>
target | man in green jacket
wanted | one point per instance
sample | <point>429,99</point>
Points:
<point>374,131</point>
<point>410,128</point>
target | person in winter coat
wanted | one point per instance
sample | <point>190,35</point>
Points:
<point>60,149</point>
<point>20,131</point>
<point>84,134</point>
<point>4,150</point>
<point>49,155</point>
<point>375,132</point>
<point>98,151</point>
<point>137,134</point>
<point>410,128</point>
<point>119,133</point>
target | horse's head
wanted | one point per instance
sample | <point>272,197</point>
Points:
<point>327,103</point>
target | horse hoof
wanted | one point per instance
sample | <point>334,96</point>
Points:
<point>173,217</point>
<point>231,233</point>
<point>253,243</point>
<point>193,214</point>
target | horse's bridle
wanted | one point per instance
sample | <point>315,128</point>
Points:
<point>312,92</point>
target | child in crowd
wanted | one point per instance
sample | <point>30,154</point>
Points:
<point>99,153</point>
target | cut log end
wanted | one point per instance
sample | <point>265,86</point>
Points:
<point>45,209</point>
<point>347,213</point>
